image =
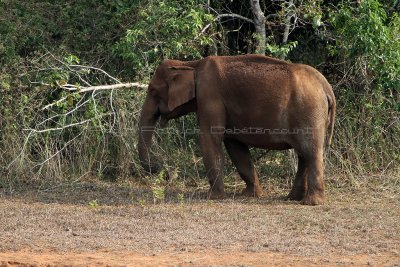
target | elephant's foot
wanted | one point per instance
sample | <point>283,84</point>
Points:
<point>252,191</point>
<point>313,199</point>
<point>296,195</point>
<point>214,195</point>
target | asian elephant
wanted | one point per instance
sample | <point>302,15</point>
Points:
<point>242,101</point>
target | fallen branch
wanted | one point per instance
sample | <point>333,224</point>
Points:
<point>78,89</point>
<point>55,120</point>
<point>71,87</point>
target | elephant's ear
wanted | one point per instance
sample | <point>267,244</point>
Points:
<point>181,86</point>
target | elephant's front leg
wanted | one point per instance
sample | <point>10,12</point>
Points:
<point>211,147</point>
<point>241,158</point>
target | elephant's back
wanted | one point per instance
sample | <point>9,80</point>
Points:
<point>309,97</point>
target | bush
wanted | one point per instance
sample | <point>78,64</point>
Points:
<point>368,45</point>
<point>165,29</point>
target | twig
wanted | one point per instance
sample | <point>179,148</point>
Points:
<point>98,69</point>
<point>65,114</point>
<point>58,128</point>
<point>55,154</point>
<point>113,111</point>
<point>232,15</point>
<point>55,103</point>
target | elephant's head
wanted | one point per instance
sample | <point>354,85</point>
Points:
<point>171,93</point>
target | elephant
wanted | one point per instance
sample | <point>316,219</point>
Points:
<point>245,101</point>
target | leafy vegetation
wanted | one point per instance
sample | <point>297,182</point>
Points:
<point>367,42</point>
<point>165,29</point>
<point>50,50</point>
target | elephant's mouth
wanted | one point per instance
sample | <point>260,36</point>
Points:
<point>184,109</point>
<point>164,120</point>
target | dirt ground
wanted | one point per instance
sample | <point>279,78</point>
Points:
<point>123,225</point>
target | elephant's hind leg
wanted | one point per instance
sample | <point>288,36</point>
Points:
<point>241,158</point>
<point>315,185</point>
<point>309,182</point>
<point>300,182</point>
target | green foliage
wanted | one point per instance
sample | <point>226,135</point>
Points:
<point>165,29</point>
<point>280,51</point>
<point>181,199</point>
<point>369,40</point>
<point>367,36</point>
<point>158,188</point>
<point>94,204</point>
<point>368,43</point>
<point>87,29</point>
<point>312,11</point>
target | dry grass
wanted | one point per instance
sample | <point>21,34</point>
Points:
<point>125,218</point>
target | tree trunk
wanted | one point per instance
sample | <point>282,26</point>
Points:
<point>288,19</point>
<point>259,23</point>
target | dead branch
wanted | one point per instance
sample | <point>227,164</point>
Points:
<point>221,16</point>
<point>79,89</point>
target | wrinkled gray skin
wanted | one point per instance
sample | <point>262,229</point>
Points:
<point>245,101</point>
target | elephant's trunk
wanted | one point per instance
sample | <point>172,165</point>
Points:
<point>148,119</point>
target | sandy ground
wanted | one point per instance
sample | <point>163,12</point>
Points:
<point>205,258</point>
<point>124,227</point>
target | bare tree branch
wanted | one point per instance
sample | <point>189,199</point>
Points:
<point>233,15</point>
<point>55,103</point>
<point>98,69</point>
<point>227,15</point>
<point>77,89</point>
<point>58,128</point>
<point>64,114</point>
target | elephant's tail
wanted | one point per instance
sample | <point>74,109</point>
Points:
<point>331,112</point>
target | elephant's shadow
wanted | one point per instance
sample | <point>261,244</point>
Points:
<point>114,194</point>
<point>193,195</point>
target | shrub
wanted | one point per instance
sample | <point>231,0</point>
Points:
<point>368,47</point>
